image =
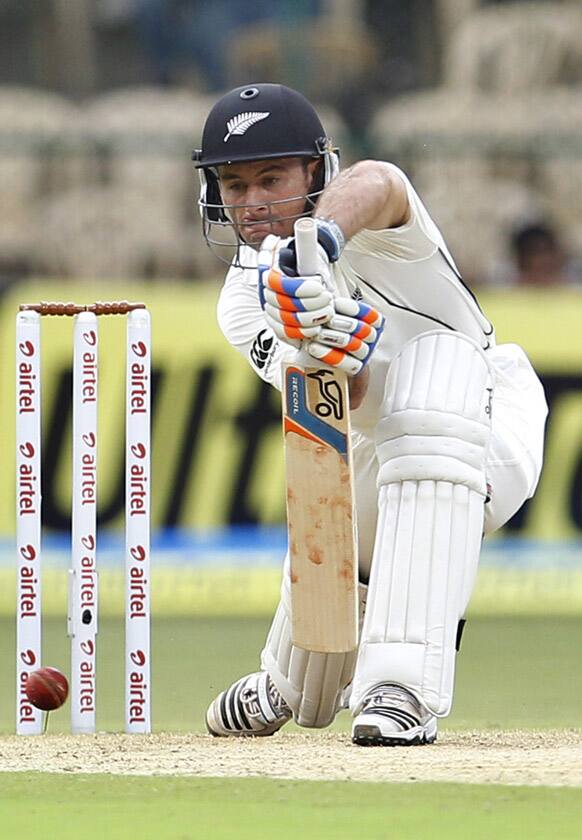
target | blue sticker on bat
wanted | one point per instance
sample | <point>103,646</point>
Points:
<point>313,425</point>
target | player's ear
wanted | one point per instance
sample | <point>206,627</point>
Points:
<point>313,168</point>
<point>315,178</point>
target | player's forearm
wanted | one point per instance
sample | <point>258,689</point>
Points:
<point>368,195</point>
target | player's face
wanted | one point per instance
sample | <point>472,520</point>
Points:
<point>265,196</point>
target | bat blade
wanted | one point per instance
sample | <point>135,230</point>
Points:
<point>320,509</point>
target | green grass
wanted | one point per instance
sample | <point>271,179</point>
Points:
<point>519,673</point>
<point>42,806</point>
<point>512,672</point>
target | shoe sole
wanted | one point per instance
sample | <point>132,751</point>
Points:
<point>240,734</point>
<point>212,732</point>
<point>234,734</point>
<point>370,736</point>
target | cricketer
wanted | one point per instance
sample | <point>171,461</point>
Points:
<point>447,425</point>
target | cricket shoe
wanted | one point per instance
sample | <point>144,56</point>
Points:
<point>392,717</point>
<point>252,706</point>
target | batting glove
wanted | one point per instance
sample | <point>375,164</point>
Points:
<point>349,339</point>
<point>294,307</point>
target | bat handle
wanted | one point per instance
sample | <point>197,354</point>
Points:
<point>305,231</point>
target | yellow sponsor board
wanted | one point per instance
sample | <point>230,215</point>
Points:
<point>547,323</point>
<point>216,440</point>
<point>254,591</point>
<point>217,453</point>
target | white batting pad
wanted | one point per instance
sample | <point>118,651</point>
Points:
<point>312,683</point>
<point>432,446</point>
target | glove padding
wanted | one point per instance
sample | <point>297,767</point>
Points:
<point>295,307</point>
<point>301,311</point>
<point>348,340</point>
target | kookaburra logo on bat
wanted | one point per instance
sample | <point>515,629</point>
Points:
<point>332,401</point>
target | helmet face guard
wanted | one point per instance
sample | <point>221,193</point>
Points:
<point>258,122</point>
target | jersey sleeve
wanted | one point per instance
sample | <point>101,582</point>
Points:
<point>418,239</point>
<point>243,324</point>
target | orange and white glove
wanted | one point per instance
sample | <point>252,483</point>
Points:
<point>294,307</point>
<point>348,340</point>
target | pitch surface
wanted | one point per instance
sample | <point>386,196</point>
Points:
<point>549,758</point>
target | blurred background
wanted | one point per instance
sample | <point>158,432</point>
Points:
<point>101,103</point>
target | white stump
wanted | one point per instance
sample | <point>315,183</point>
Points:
<point>137,524</point>
<point>83,588</point>
<point>29,720</point>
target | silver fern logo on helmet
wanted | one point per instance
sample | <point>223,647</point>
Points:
<point>242,122</point>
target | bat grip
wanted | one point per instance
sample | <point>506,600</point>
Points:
<point>305,232</point>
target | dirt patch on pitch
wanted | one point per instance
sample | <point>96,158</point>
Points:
<point>512,757</point>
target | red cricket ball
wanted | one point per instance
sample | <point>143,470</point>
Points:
<point>47,688</point>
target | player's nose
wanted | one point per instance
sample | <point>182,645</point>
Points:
<point>256,197</point>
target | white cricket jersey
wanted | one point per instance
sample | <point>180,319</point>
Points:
<point>406,272</point>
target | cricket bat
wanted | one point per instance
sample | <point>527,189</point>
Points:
<point>321,519</point>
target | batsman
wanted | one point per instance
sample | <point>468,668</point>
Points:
<point>447,425</point>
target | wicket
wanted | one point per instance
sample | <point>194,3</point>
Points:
<point>83,575</point>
